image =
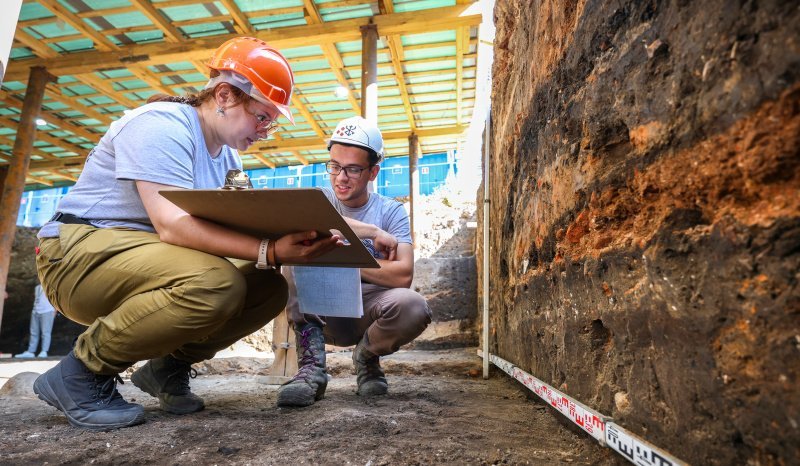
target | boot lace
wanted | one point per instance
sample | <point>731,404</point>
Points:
<point>104,389</point>
<point>178,381</point>
<point>308,357</point>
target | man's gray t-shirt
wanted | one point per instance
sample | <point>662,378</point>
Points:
<point>161,142</point>
<point>381,211</point>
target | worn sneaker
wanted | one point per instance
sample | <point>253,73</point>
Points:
<point>26,354</point>
<point>87,399</point>
<point>308,385</point>
<point>167,379</point>
<point>42,354</point>
<point>369,375</point>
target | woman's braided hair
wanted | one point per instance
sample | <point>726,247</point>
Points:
<point>195,100</point>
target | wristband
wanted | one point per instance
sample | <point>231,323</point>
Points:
<point>262,255</point>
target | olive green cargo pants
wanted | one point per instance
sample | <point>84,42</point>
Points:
<point>143,298</point>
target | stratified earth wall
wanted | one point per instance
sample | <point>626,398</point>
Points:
<point>645,215</point>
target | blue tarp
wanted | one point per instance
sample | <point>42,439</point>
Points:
<point>38,206</point>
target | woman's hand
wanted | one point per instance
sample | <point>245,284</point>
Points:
<point>300,248</point>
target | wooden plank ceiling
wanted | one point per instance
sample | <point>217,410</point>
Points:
<point>111,55</point>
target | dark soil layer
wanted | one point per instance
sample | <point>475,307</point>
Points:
<point>645,216</point>
<point>436,412</point>
<point>15,329</point>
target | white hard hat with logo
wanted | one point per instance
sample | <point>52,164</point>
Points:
<point>357,131</point>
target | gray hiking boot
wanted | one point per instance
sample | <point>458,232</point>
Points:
<point>309,384</point>
<point>167,379</point>
<point>87,399</point>
<point>370,376</point>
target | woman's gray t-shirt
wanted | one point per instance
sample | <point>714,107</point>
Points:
<point>161,142</point>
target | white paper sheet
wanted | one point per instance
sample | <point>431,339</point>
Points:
<point>329,291</point>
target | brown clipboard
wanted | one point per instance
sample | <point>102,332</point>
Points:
<point>272,213</point>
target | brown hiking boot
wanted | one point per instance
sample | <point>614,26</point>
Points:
<point>167,379</point>
<point>370,376</point>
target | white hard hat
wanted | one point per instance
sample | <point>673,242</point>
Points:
<point>358,131</point>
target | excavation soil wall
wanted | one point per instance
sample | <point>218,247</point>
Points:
<point>645,215</point>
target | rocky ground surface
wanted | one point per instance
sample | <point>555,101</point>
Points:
<point>439,410</point>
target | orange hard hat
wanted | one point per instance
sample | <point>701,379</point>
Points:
<point>267,70</point>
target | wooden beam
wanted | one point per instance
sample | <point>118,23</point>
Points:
<point>300,144</point>
<point>413,182</point>
<point>39,48</point>
<point>356,68</point>
<point>295,154</point>
<point>55,120</point>
<point>14,183</point>
<point>262,159</point>
<point>150,79</point>
<point>368,71</point>
<point>105,12</point>
<point>37,179</point>
<point>435,19</point>
<point>171,33</point>
<point>55,93</point>
<point>66,176</point>
<point>462,40</point>
<point>101,42</point>
<point>331,54</point>
<point>396,52</point>
<point>59,162</point>
<point>301,107</point>
<point>42,136</point>
<point>105,87</point>
<point>240,21</point>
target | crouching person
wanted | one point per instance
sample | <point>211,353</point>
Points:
<point>393,314</point>
<point>149,280</point>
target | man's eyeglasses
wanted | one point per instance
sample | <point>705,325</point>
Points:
<point>349,171</point>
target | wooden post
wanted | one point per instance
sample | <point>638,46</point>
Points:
<point>369,73</point>
<point>413,180</point>
<point>284,366</point>
<point>14,182</point>
<point>284,344</point>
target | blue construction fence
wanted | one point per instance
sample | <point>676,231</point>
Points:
<point>38,206</point>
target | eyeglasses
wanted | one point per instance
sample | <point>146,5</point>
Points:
<point>349,171</point>
<point>264,123</point>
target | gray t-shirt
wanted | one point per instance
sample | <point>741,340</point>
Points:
<point>40,303</point>
<point>381,211</point>
<point>160,142</point>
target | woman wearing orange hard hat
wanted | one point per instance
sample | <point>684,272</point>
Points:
<point>151,281</point>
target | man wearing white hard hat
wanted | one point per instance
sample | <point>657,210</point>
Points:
<point>393,314</point>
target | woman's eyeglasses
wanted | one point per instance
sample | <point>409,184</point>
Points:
<point>265,123</point>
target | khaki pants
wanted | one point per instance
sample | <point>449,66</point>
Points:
<point>392,318</point>
<point>143,298</point>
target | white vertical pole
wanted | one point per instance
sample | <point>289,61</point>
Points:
<point>486,143</point>
<point>8,26</point>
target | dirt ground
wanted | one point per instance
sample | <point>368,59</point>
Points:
<point>439,410</point>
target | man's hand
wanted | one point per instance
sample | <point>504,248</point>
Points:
<point>385,244</point>
<point>302,247</point>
